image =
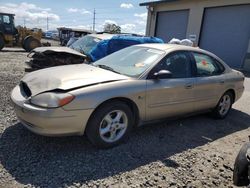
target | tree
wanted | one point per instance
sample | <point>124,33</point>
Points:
<point>112,28</point>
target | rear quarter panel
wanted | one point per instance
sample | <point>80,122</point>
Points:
<point>235,81</point>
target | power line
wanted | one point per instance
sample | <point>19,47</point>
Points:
<point>111,18</point>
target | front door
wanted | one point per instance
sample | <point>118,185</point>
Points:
<point>170,96</point>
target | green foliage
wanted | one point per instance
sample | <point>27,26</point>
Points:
<point>112,28</point>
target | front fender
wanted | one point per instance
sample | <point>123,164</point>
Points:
<point>92,96</point>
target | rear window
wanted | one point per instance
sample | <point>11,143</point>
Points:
<point>85,44</point>
<point>207,66</point>
<point>6,19</point>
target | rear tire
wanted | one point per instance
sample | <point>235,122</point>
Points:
<point>110,125</point>
<point>31,43</point>
<point>224,106</point>
<point>1,42</point>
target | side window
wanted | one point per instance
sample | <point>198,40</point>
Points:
<point>177,63</point>
<point>207,66</point>
<point>6,19</point>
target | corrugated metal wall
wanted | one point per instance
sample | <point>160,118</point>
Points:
<point>226,32</point>
<point>172,24</point>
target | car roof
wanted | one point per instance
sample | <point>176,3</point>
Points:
<point>102,36</point>
<point>178,47</point>
<point>167,47</point>
<point>175,47</point>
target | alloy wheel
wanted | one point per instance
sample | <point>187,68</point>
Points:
<point>113,126</point>
<point>224,105</point>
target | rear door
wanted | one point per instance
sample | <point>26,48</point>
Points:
<point>209,83</point>
<point>170,96</point>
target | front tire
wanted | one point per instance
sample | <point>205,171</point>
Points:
<point>110,124</point>
<point>224,106</point>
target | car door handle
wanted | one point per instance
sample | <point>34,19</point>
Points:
<point>189,86</point>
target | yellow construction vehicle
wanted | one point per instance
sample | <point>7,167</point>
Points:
<point>11,36</point>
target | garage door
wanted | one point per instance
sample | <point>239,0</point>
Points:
<point>226,32</point>
<point>172,24</point>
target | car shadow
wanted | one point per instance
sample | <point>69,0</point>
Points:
<point>58,162</point>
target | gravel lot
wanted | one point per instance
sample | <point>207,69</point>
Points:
<point>192,152</point>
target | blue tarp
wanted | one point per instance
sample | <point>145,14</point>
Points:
<point>116,43</point>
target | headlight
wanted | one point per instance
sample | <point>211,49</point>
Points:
<point>52,100</point>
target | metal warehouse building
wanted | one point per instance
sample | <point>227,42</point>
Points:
<point>220,26</point>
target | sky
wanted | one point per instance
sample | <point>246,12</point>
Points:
<point>78,13</point>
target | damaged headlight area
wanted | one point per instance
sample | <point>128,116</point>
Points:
<point>52,59</point>
<point>51,99</point>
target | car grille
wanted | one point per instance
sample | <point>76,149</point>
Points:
<point>25,90</point>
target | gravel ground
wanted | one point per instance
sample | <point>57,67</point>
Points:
<point>192,152</point>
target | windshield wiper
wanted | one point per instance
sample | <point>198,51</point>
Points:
<point>107,68</point>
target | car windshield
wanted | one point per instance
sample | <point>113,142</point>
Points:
<point>131,61</point>
<point>85,44</point>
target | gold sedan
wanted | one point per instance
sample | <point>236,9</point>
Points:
<point>141,83</point>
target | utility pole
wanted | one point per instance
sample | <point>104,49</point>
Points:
<point>47,23</point>
<point>24,22</point>
<point>94,20</point>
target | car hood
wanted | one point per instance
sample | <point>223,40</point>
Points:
<point>54,49</point>
<point>68,77</point>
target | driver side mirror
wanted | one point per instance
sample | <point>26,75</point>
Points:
<point>162,74</point>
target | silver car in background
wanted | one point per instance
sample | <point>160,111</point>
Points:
<point>125,89</point>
